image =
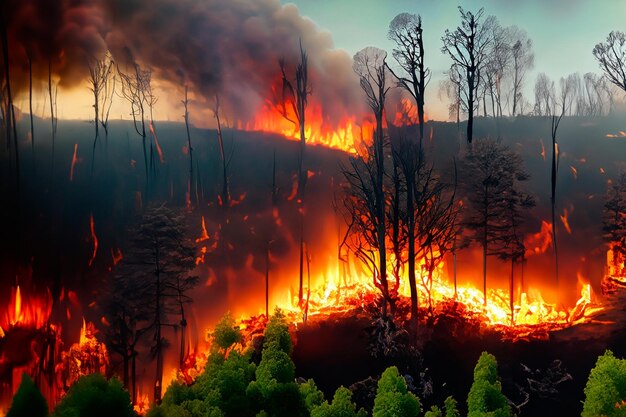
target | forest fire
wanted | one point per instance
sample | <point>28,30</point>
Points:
<point>319,130</point>
<point>274,217</point>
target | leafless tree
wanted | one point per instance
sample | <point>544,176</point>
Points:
<point>468,46</point>
<point>135,87</point>
<point>497,64</point>
<point>611,56</point>
<point>452,86</point>
<point>405,30</point>
<point>225,194</point>
<point>53,95</point>
<point>9,114</point>
<point>544,94</point>
<point>100,72</point>
<point>366,201</point>
<point>190,183</point>
<point>560,103</point>
<point>293,104</point>
<point>523,60</point>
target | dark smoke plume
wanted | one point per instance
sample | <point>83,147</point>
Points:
<point>225,47</point>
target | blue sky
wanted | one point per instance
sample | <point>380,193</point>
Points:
<point>563,32</point>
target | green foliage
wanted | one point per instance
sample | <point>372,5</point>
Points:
<point>449,407</point>
<point>274,390</point>
<point>485,398</point>
<point>28,401</point>
<point>311,395</point>
<point>277,331</point>
<point>392,397</point>
<point>433,412</point>
<point>606,388</point>
<point>342,406</point>
<point>94,396</point>
<point>226,333</point>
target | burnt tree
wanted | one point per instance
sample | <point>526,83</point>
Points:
<point>135,86</point>
<point>490,173</point>
<point>405,30</point>
<point>366,202</point>
<point>468,46</point>
<point>292,106</point>
<point>158,264</point>
<point>611,56</point>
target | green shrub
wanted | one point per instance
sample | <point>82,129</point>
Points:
<point>605,391</point>
<point>392,397</point>
<point>277,331</point>
<point>311,395</point>
<point>94,396</point>
<point>485,398</point>
<point>274,390</point>
<point>342,406</point>
<point>449,407</point>
<point>28,401</point>
<point>226,333</point>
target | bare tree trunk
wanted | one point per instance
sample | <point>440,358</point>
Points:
<point>30,103</point>
<point>158,379</point>
<point>553,206</point>
<point>225,194</point>
<point>190,149</point>
<point>52,124</point>
<point>10,117</point>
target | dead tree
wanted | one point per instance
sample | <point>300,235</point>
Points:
<point>159,260</point>
<point>611,56</point>
<point>367,202</point>
<point>100,71</point>
<point>490,173</point>
<point>30,102</point>
<point>468,46</point>
<point>405,30</point>
<point>559,106</point>
<point>225,194</point>
<point>10,122</point>
<point>452,86</point>
<point>292,106</point>
<point>52,95</point>
<point>134,90</point>
<point>190,182</point>
<point>523,60</point>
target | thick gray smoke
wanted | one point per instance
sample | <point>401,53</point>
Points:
<point>225,47</point>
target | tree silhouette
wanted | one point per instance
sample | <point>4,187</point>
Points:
<point>156,269</point>
<point>468,46</point>
<point>611,56</point>
<point>492,174</point>
<point>367,201</point>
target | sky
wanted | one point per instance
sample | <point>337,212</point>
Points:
<point>563,32</point>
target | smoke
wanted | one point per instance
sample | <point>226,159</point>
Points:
<point>226,48</point>
<point>62,34</point>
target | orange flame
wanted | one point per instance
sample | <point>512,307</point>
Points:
<point>74,159</point>
<point>94,239</point>
<point>565,221</point>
